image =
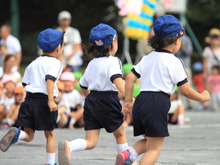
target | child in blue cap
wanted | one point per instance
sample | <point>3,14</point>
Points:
<point>159,71</point>
<point>100,85</point>
<point>39,111</point>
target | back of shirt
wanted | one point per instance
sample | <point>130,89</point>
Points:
<point>38,71</point>
<point>160,71</point>
<point>100,74</point>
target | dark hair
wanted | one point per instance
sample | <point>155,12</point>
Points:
<point>93,51</point>
<point>8,56</point>
<point>159,43</point>
<point>216,67</point>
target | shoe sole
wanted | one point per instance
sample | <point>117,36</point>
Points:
<point>8,139</point>
<point>120,159</point>
<point>63,158</point>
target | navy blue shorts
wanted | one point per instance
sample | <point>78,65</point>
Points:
<point>34,113</point>
<point>103,110</point>
<point>150,114</point>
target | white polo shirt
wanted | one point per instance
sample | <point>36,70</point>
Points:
<point>160,71</point>
<point>43,68</point>
<point>71,37</point>
<point>72,99</point>
<point>100,73</point>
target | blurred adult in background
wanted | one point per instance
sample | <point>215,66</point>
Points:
<point>143,48</point>
<point>185,53</point>
<point>211,53</point>
<point>10,45</point>
<point>72,42</point>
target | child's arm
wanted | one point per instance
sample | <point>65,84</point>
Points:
<point>85,92</point>
<point>129,87</point>
<point>120,84</point>
<point>50,87</point>
<point>190,93</point>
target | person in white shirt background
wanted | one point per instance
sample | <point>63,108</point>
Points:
<point>12,45</point>
<point>72,42</point>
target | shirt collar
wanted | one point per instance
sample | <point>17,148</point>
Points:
<point>45,55</point>
<point>163,51</point>
<point>99,56</point>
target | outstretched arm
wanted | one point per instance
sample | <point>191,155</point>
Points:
<point>190,93</point>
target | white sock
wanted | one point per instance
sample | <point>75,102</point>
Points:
<point>121,147</point>
<point>77,145</point>
<point>72,121</point>
<point>50,158</point>
<point>22,135</point>
<point>58,118</point>
<point>10,121</point>
<point>133,155</point>
<point>180,119</point>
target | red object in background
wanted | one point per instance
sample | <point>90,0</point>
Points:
<point>198,81</point>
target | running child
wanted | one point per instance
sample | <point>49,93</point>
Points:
<point>39,111</point>
<point>100,85</point>
<point>160,71</point>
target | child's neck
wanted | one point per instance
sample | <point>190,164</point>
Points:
<point>9,94</point>
<point>169,48</point>
<point>8,71</point>
<point>53,54</point>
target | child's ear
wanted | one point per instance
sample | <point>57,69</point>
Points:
<point>177,41</point>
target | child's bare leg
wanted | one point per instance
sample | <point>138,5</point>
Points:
<point>140,146</point>
<point>14,117</point>
<point>121,139</point>
<point>29,134</point>
<point>63,120</point>
<point>50,146</point>
<point>75,116</point>
<point>80,122</point>
<point>78,114</point>
<point>153,148</point>
<point>51,141</point>
<point>2,107</point>
<point>178,116</point>
<point>92,137</point>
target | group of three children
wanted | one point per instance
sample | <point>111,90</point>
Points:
<point>159,71</point>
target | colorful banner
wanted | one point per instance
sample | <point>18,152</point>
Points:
<point>137,23</point>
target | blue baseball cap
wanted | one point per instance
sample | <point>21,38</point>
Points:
<point>49,39</point>
<point>102,35</point>
<point>167,26</point>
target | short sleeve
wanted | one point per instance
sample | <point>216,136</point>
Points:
<point>77,37</point>
<point>177,72</point>
<point>82,82</point>
<point>17,45</point>
<point>25,79</point>
<point>54,71</point>
<point>207,52</point>
<point>115,69</point>
<point>137,70</point>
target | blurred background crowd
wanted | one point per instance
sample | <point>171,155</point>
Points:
<point>21,21</point>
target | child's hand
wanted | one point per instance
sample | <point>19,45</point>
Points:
<point>206,96</point>
<point>52,105</point>
<point>127,108</point>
